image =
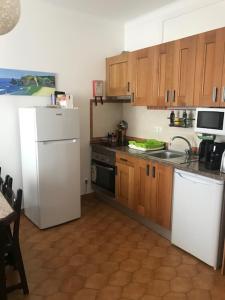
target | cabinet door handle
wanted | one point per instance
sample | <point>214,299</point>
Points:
<point>153,171</point>
<point>123,159</point>
<point>128,86</point>
<point>166,96</point>
<point>214,94</point>
<point>132,97</point>
<point>223,94</point>
<point>147,170</point>
<point>173,95</point>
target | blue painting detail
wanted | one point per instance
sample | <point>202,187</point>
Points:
<point>19,82</point>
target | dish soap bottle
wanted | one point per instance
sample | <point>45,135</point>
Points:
<point>185,118</point>
<point>172,118</point>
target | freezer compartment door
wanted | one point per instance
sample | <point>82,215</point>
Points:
<point>59,182</point>
<point>57,124</point>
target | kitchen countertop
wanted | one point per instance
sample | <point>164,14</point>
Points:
<point>182,163</point>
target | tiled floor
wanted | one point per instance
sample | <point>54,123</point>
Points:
<point>108,256</point>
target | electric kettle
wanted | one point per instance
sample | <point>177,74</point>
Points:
<point>222,166</point>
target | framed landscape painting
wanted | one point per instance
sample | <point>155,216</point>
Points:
<point>26,83</point>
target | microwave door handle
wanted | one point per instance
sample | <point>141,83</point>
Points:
<point>214,94</point>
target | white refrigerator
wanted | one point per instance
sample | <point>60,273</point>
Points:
<point>50,156</point>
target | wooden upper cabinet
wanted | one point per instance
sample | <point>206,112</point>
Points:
<point>163,73</point>
<point>117,83</point>
<point>182,93</point>
<point>140,73</point>
<point>209,68</point>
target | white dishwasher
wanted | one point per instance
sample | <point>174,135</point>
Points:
<point>196,216</point>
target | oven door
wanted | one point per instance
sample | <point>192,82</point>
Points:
<point>103,175</point>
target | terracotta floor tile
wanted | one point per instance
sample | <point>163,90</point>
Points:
<point>130,265</point>
<point>110,293</point>
<point>85,294</point>
<point>158,252</point>
<point>187,270</point>
<point>87,270</point>
<point>199,295</point>
<point>150,297</point>
<point>158,288</point>
<point>47,287</point>
<point>171,261</point>
<point>120,278</point>
<point>59,296</point>
<point>108,267</point>
<point>133,291</point>
<point>77,260</point>
<point>143,275</point>
<point>181,285</point>
<point>96,281</point>
<point>175,296</point>
<point>72,284</point>
<point>165,273</point>
<point>151,263</point>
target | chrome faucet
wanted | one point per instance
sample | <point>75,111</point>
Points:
<point>188,151</point>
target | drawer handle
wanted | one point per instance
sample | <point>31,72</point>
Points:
<point>123,159</point>
<point>128,86</point>
<point>166,96</point>
<point>132,97</point>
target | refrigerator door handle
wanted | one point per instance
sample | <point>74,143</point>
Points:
<point>59,142</point>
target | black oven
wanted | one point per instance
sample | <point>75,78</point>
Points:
<point>103,175</point>
<point>103,168</point>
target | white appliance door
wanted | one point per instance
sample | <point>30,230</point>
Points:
<point>57,124</point>
<point>197,204</point>
<point>59,181</point>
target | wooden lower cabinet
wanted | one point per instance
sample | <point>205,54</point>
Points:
<point>145,186</point>
<point>125,184</point>
<point>164,175</point>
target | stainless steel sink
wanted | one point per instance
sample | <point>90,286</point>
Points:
<point>166,154</point>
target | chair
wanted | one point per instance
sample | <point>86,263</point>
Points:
<point>7,190</point>
<point>11,247</point>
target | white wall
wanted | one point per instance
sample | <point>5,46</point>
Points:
<point>179,19</point>
<point>106,117</point>
<point>173,21</point>
<point>73,45</point>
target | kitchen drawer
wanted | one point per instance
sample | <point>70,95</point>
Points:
<point>126,159</point>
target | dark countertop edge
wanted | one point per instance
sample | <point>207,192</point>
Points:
<point>192,166</point>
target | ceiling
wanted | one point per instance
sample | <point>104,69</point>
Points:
<point>120,10</point>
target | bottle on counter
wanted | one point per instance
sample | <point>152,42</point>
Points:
<point>172,118</point>
<point>185,118</point>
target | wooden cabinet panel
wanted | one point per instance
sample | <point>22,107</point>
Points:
<point>117,75</point>
<point>164,195</point>
<point>143,186</point>
<point>141,70</point>
<point>184,70</point>
<point>163,73</point>
<point>209,67</point>
<point>125,179</point>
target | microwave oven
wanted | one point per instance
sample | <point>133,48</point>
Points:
<point>210,121</point>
